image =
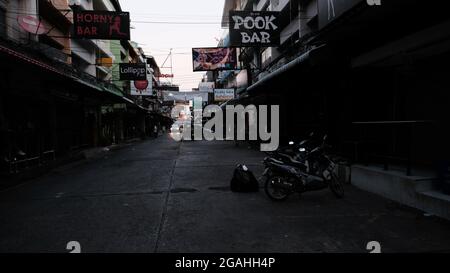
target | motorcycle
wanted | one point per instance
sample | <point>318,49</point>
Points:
<point>294,154</point>
<point>311,170</point>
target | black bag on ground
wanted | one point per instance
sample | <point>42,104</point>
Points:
<point>244,180</point>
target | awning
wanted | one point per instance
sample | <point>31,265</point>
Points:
<point>127,100</point>
<point>98,88</point>
<point>133,104</point>
<point>241,90</point>
<point>28,59</point>
<point>114,92</point>
<point>306,58</point>
<point>161,116</point>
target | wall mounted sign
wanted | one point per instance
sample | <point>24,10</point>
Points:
<point>254,28</point>
<point>105,25</point>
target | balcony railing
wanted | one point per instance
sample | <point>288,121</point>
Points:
<point>51,58</point>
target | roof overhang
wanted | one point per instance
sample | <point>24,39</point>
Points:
<point>311,57</point>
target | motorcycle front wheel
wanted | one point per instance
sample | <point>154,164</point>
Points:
<point>275,192</point>
<point>337,186</point>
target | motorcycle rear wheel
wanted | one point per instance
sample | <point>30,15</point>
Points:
<point>275,193</point>
<point>337,187</point>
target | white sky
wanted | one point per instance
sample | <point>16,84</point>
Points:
<point>158,38</point>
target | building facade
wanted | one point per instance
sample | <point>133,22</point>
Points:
<point>371,77</point>
<point>61,95</point>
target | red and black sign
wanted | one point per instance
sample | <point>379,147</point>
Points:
<point>104,25</point>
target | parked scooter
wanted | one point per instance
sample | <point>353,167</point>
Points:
<point>308,171</point>
<point>294,154</point>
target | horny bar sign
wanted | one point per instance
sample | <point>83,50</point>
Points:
<point>254,29</point>
<point>105,25</point>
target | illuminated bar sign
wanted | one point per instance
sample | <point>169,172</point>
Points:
<point>104,25</point>
<point>133,72</point>
<point>254,28</point>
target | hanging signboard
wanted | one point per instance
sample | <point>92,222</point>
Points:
<point>223,94</point>
<point>213,59</point>
<point>141,85</point>
<point>254,28</point>
<point>206,87</point>
<point>104,25</point>
<point>141,88</point>
<point>133,72</point>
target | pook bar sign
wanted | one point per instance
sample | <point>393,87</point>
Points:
<point>254,28</point>
<point>105,25</point>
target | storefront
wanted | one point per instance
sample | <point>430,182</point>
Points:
<point>375,84</point>
<point>46,111</point>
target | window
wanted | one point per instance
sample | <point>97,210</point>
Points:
<point>2,22</point>
<point>266,56</point>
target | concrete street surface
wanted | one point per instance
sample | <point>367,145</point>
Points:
<point>164,196</point>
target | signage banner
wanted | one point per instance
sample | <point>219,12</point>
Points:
<point>254,28</point>
<point>143,87</point>
<point>142,92</point>
<point>211,59</point>
<point>223,94</point>
<point>133,72</point>
<point>104,25</point>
